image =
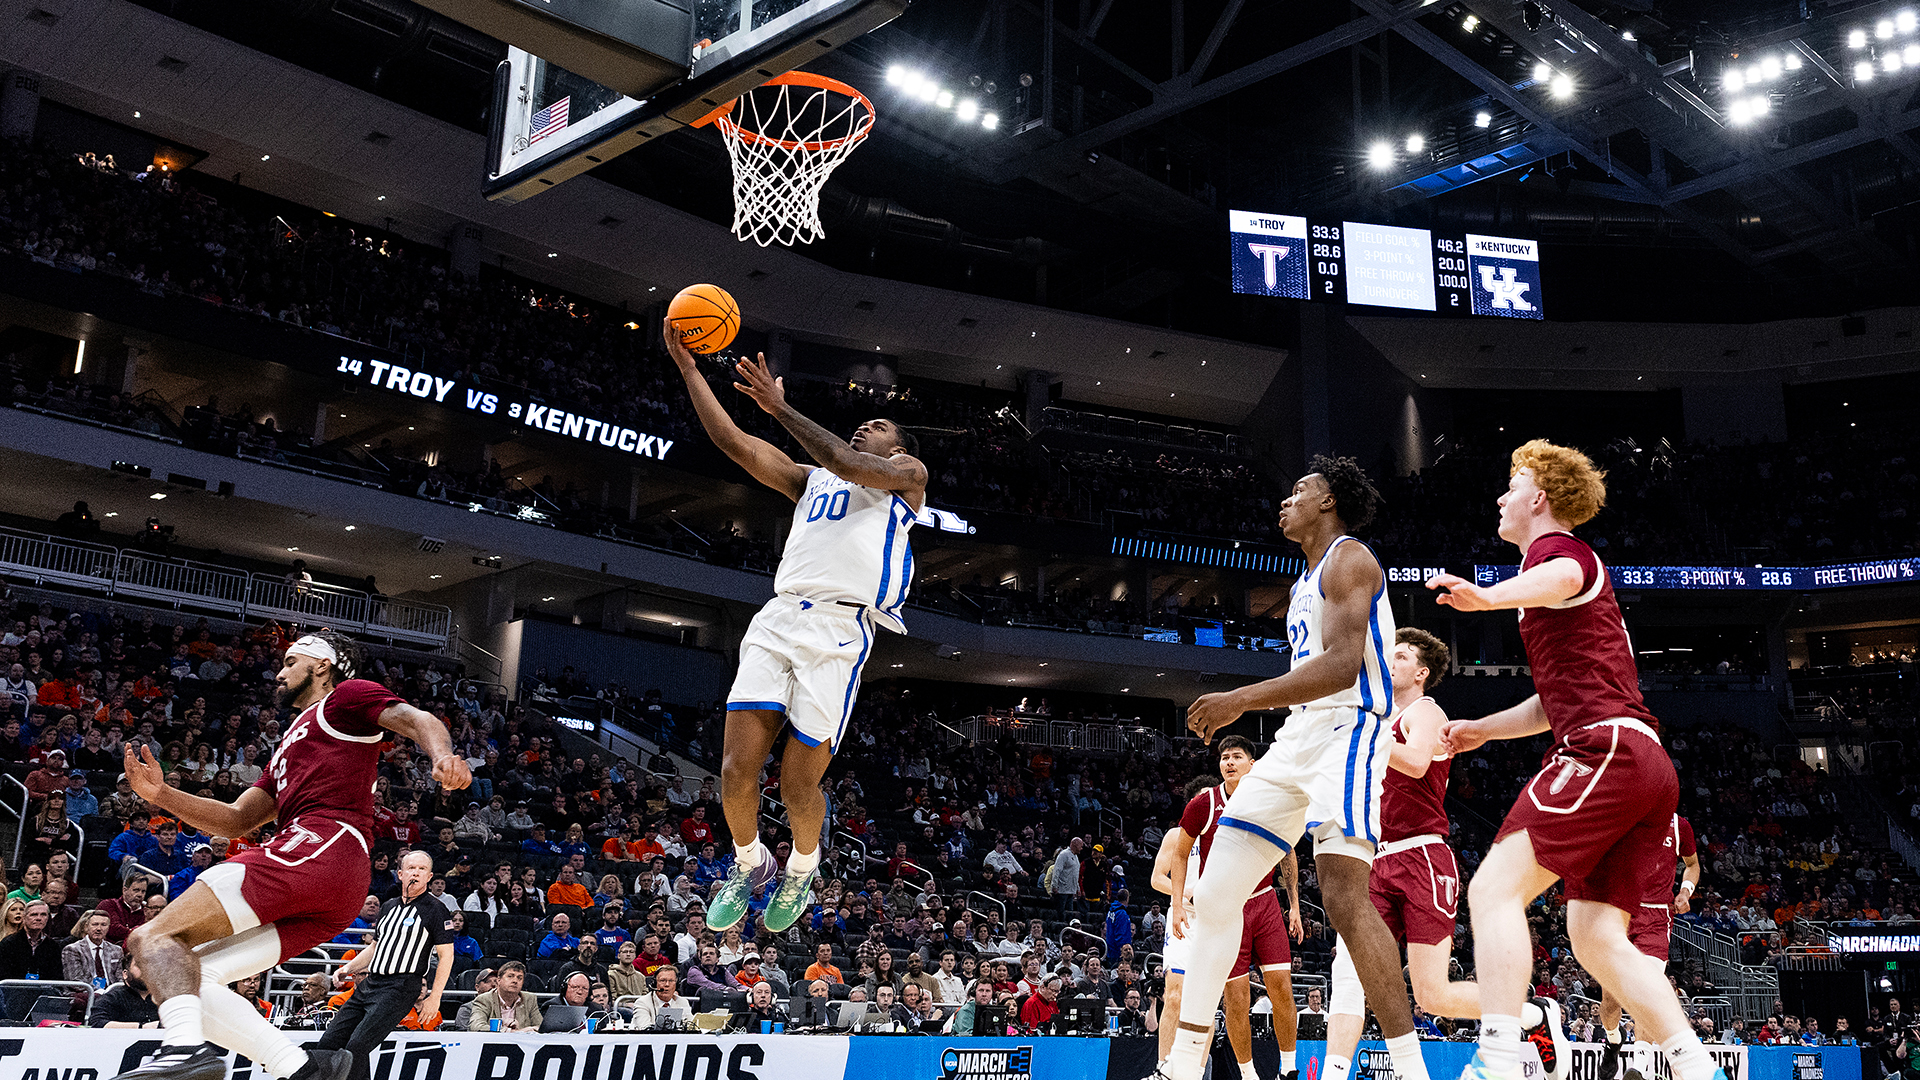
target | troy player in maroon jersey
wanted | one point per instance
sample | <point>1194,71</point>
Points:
<point>1265,936</point>
<point>1596,815</point>
<point>1652,926</point>
<point>278,900</point>
<point>1415,883</point>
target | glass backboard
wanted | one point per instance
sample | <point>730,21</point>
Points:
<point>550,124</point>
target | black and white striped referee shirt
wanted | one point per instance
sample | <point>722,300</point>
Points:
<point>405,934</point>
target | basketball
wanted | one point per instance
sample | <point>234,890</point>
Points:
<point>706,317</point>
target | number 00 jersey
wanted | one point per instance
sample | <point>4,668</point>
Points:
<point>849,543</point>
<point>1373,691</point>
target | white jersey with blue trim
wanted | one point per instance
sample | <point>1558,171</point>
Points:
<point>1373,690</point>
<point>849,544</point>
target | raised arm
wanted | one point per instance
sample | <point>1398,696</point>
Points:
<point>254,808</point>
<point>902,472</point>
<point>759,457</point>
<point>1544,585</point>
<point>1527,718</point>
<point>426,730</point>
<point>1350,581</point>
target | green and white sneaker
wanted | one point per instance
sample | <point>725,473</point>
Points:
<point>790,900</point>
<point>730,904</point>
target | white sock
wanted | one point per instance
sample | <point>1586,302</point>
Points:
<point>1531,1016</point>
<point>1613,1035</point>
<point>1500,1044</point>
<point>1247,1072</point>
<point>180,1016</point>
<point>230,1021</point>
<point>1286,1063</point>
<point>1336,1068</point>
<point>749,857</point>
<point>802,861</point>
<point>1188,1058</point>
<point>1405,1052</point>
<point>1690,1059</point>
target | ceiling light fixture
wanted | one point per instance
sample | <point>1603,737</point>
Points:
<point>1863,71</point>
<point>1416,143</point>
<point>1856,39</point>
<point>1883,29</point>
<point>1483,119</point>
<point>1541,72</point>
<point>1562,86</point>
<point>1380,155</point>
<point>1904,21</point>
<point>158,495</point>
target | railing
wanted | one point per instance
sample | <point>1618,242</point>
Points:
<point>182,583</point>
<point>47,984</point>
<point>1111,823</point>
<point>1099,943</point>
<point>998,905</point>
<point>1109,737</point>
<point>19,816</point>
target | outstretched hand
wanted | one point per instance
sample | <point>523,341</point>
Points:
<point>681,355</point>
<point>1461,594</point>
<point>758,382</point>
<point>144,773</point>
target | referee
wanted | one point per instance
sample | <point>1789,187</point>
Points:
<point>411,927</point>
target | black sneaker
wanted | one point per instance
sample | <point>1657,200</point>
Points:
<point>1556,1050</point>
<point>325,1065</point>
<point>1609,1059</point>
<point>1292,1074</point>
<point>180,1063</point>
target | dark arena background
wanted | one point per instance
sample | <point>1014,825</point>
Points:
<point>348,314</point>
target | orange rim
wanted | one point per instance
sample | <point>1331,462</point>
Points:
<point>723,114</point>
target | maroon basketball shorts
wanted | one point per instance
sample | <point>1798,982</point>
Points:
<point>1415,886</point>
<point>1600,810</point>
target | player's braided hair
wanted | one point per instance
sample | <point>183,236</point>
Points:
<point>1354,495</point>
<point>351,656</point>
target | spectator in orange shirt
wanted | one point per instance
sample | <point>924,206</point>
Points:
<point>625,847</point>
<point>569,891</point>
<point>414,1021</point>
<point>822,966</point>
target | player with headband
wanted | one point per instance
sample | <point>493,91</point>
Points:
<point>1415,882</point>
<point>278,900</point>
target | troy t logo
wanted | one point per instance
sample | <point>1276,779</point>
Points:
<point>1507,293</point>
<point>1569,768</point>
<point>1270,256</point>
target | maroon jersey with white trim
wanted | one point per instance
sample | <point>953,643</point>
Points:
<point>1581,657</point>
<point>1201,820</point>
<point>1413,806</point>
<point>1680,844</point>
<point>329,758</point>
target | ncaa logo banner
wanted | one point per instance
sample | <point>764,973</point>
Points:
<point>1269,254</point>
<point>1505,275</point>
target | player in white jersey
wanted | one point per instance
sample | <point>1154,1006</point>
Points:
<point>1321,776</point>
<point>846,569</point>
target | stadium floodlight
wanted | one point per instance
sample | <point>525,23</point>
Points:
<point>1863,71</point>
<point>1754,75</point>
<point>1856,39</point>
<point>1416,143</point>
<point>1733,81</point>
<point>1380,155</point>
<point>1762,105</point>
<point>1770,68</point>
<point>967,109</point>
<point>1883,29</point>
<point>1470,23</point>
<point>944,99</point>
<point>1793,61</point>
<point>1541,72</point>
<point>1740,112</point>
<point>1890,63</point>
<point>990,121</point>
<point>1482,119</point>
<point>1562,86</point>
<point>1911,54</point>
<point>1905,21</point>
<point>896,75</point>
<point>927,90</point>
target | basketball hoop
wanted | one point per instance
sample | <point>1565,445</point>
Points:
<point>784,138</point>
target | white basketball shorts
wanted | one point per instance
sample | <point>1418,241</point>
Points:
<point>803,658</point>
<point>1320,777</point>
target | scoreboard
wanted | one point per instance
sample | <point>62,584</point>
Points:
<point>1355,262</point>
<point>1801,578</point>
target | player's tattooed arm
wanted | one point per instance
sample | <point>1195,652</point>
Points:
<point>762,460</point>
<point>450,770</point>
<point>902,472</point>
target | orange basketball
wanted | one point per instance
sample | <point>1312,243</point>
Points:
<point>706,318</point>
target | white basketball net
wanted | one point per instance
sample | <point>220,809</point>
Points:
<point>784,141</point>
